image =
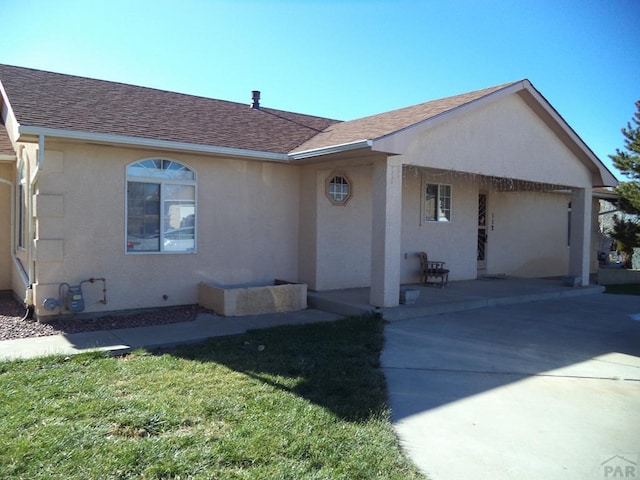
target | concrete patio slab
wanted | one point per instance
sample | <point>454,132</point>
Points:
<point>455,297</point>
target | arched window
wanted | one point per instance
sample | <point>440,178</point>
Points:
<point>161,207</point>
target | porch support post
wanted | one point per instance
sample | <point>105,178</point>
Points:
<point>580,239</point>
<point>386,232</point>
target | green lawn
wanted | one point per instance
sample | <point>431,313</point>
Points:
<point>627,289</point>
<point>303,402</point>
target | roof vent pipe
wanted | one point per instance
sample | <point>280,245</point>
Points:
<point>255,97</point>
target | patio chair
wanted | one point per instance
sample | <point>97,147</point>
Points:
<point>433,269</point>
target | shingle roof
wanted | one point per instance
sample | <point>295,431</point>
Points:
<point>45,99</point>
<point>5,143</point>
<point>380,125</point>
<point>66,102</point>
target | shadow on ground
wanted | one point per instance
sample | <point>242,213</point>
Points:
<point>334,365</point>
<point>434,361</point>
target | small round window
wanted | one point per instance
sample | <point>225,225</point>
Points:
<point>338,188</point>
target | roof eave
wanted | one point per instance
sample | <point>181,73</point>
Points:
<point>318,152</point>
<point>140,142</point>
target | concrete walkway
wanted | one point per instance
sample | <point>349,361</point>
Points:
<point>542,390</point>
<point>161,336</point>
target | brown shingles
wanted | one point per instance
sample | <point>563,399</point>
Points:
<point>67,102</point>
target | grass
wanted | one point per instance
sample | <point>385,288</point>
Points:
<point>304,402</point>
<point>626,289</point>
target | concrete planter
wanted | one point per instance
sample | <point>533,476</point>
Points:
<point>409,296</point>
<point>233,301</point>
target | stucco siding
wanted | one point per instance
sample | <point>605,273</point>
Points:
<point>247,227</point>
<point>344,235</point>
<point>308,218</point>
<point>529,234</point>
<point>453,242</point>
<point>503,139</point>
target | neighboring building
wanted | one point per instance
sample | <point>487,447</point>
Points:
<point>157,191</point>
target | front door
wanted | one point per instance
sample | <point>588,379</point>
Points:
<point>482,234</point>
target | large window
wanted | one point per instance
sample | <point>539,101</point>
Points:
<point>437,202</point>
<point>161,207</point>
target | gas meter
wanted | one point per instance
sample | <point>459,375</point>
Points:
<point>70,297</point>
<point>73,299</point>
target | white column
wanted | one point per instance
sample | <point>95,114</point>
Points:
<point>580,241</point>
<point>386,232</point>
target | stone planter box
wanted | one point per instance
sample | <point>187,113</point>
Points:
<point>234,301</point>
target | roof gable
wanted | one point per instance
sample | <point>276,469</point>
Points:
<point>378,126</point>
<point>70,103</point>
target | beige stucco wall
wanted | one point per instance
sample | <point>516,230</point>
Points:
<point>503,139</point>
<point>247,221</point>
<point>452,242</point>
<point>7,174</point>
<point>343,241</point>
<point>527,230</point>
<point>529,235</point>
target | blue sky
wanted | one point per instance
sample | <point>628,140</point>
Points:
<point>347,59</point>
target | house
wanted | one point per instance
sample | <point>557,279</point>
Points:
<point>153,192</point>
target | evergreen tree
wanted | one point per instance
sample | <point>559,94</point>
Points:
<point>627,232</point>
<point>628,162</point>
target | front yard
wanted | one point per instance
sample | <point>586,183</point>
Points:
<point>284,403</point>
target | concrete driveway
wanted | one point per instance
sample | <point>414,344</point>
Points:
<point>545,390</point>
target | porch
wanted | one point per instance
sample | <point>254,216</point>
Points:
<point>456,296</point>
